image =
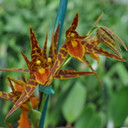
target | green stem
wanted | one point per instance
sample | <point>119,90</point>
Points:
<point>41,124</point>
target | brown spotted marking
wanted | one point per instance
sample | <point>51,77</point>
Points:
<point>61,56</point>
<point>71,33</point>
<point>106,41</point>
<point>91,49</point>
<point>28,91</point>
<point>113,35</point>
<point>15,70</point>
<point>44,52</point>
<point>66,74</point>
<point>53,47</point>
<point>100,51</point>
<point>9,96</point>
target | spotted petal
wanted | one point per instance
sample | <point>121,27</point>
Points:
<point>71,33</point>
<point>100,51</point>
<point>12,97</point>
<point>28,91</point>
<point>53,47</point>
<point>106,36</point>
<point>15,70</point>
<point>44,52</point>
<point>36,50</point>
<point>61,56</point>
<point>113,35</point>
<point>66,74</point>
<point>74,23</point>
<point>91,48</point>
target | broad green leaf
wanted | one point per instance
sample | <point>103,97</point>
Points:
<point>119,107</point>
<point>90,119</point>
<point>86,117</point>
<point>74,103</point>
<point>97,121</point>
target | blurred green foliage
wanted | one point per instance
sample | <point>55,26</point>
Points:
<point>78,102</point>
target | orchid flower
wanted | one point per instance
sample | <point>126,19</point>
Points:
<point>40,67</point>
<point>17,90</point>
<point>78,46</point>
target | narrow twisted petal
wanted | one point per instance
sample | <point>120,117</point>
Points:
<point>44,52</point>
<point>53,47</point>
<point>15,70</point>
<point>100,51</point>
<point>9,96</point>
<point>91,49</point>
<point>114,36</point>
<point>66,74</point>
<point>104,38</point>
<point>36,50</point>
<point>61,56</point>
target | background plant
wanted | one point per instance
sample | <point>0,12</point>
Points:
<point>92,105</point>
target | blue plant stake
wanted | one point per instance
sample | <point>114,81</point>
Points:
<point>48,90</point>
<point>60,17</point>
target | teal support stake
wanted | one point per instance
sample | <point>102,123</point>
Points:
<point>48,90</point>
<point>41,124</point>
<point>60,17</point>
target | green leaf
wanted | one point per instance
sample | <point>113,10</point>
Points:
<point>35,115</point>
<point>89,118</point>
<point>74,103</point>
<point>86,117</point>
<point>97,121</point>
<point>55,111</point>
<point>119,106</point>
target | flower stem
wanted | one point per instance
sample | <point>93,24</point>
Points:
<point>41,124</point>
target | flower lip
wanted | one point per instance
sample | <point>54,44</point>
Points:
<point>41,75</point>
<point>75,49</point>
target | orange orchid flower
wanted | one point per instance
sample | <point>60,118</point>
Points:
<point>73,41</point>
<point>40,67</point>
<point>17,90</point>
<point>78,46</point>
